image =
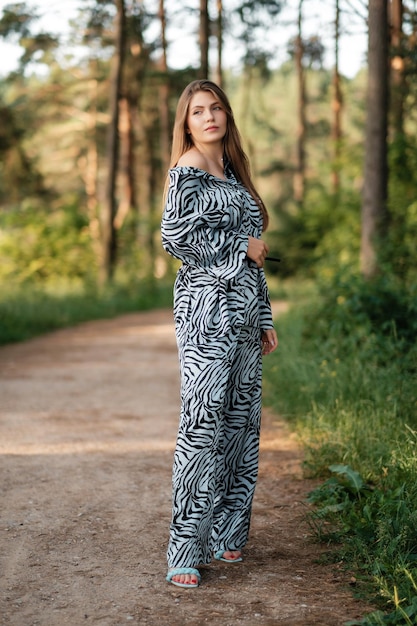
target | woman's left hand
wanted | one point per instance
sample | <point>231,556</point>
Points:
<point>269,341</point>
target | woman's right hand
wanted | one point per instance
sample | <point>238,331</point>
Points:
<point>257,251</point>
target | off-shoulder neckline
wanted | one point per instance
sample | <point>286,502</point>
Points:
<point>204,173</point>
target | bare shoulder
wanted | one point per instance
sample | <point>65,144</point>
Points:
<point>193,158</point>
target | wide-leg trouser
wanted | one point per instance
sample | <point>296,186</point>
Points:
<point>216,456</point>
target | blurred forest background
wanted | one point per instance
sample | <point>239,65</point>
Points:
<point>86,129</point>
<point>85,132</point>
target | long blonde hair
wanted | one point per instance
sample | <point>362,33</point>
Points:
<point>233,151</point>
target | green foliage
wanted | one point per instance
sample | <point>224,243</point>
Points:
<point>345,377</point>
<point>320,240</point>
<point>322,234</point>
<point>400,248</point>
<point>377,526</point>
<point>40,244</point>
<point>19,176</point>
<point>378,319</point>
<point>29,311</point>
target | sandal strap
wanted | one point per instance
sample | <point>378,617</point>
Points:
<point>177,571</point>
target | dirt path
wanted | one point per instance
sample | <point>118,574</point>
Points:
<point>88,423</point>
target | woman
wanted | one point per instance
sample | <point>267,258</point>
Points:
<point>212,222</point>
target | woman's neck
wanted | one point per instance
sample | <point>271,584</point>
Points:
<point>212,152</point>
<point>213,157</point>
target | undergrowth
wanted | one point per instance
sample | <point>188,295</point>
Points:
<point>344,376</point>
<point>30,310</point>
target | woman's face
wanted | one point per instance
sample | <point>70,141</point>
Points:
<point>206,119</point>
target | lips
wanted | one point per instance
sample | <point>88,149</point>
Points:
<point>212,128</point>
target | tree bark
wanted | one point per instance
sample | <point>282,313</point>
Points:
<point>219,69</point>
<point>127,163</point>
<point>374,198</point>
<point>337,105</point>
<point>204,40</point>
<point>147,192</point>
<point>398,86</point>
<point>90,174</point>
<point>164,94</point>
<point>109,232</point>
<point>299,177</point>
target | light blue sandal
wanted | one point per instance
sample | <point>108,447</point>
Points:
<point>183,570</point>
<point>219,557</point>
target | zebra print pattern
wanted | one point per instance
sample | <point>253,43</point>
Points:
<point>221,303</point>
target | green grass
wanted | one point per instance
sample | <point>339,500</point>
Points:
<point>29,311</point>
<point>346,382</point>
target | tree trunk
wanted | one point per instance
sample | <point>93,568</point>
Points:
<point>147,192</point>
<point>204,40</point>
<point>374,199</point>
<point>164,95</point>
<point>398,86</point>
<point>336,106</point>
<point>90,173</point>
<point>299,177</point>
<point>219,70</point>
<point>247,85</point>
<point>109,232</point>
<point>153,222</point>
<point>127,163</point>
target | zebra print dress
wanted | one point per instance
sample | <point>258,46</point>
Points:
<point>221,304</point>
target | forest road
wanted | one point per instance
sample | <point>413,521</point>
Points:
<point>88,424</point>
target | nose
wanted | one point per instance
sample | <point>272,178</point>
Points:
<point>209,114</point>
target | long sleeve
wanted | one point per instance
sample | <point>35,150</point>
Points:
<point>206,224</point>
<point>200,225</point>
